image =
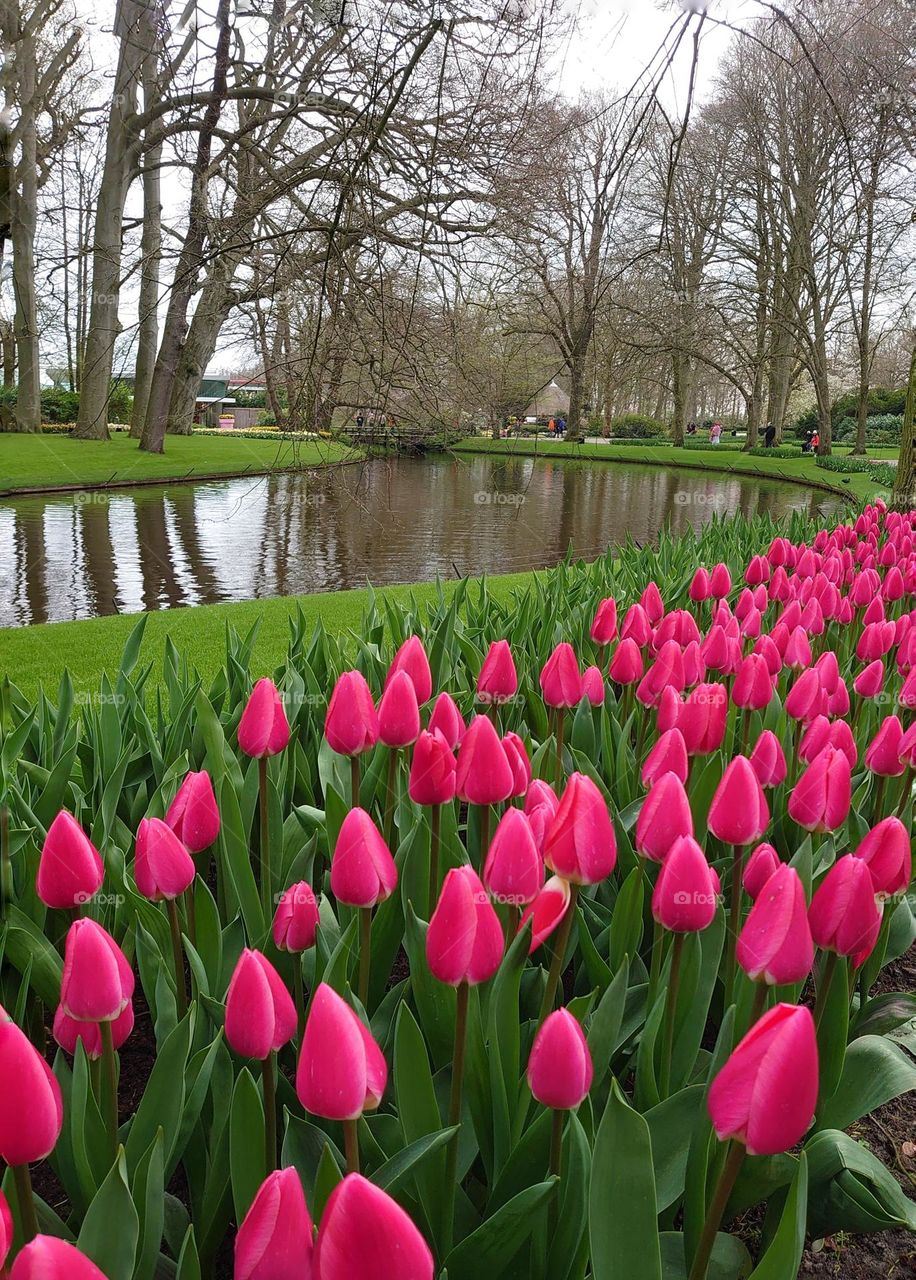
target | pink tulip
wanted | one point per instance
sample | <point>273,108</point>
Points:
<point>652,603</point>
<point>907,750</point>
<point>757,571</point>
<point>464,941</point>
<point>70,869</point>
<point>686,894</point>
<point>882,755</point>
<point>519,763</point>
<point>484,774</point>
<point>363,873</point>
<point>820,799</point>
<point>699,586</point>
<point>886,850</point>
<point>593,686</point>
<point>68,1032</point>
<point>798,650</point>
<point>498,680</point>
<point>274,1241</point>
<point>432,770</point>
<point>561,683</point>
<point>342,1072</point>
<point>163,868</point>
<point>765,1095</point>
<point>260,1014</point>
<point>753,687</point>
<point>513,872</point>
<point>604,624</point>
<point>560,1066</point>
<point>365,1235</point>
<point>844,915</point>
<point>580,843</point>
<point>6,1231</point>
<point>540,805</point>
<point>193,814</point>
<point>703,717</point>
<point>762,863</point>
<point>636,626</point>
<point>669,755</point>
<point>296,919</point>
<point>666,672</point>
<point>805,698</point>
<point>907,695</point>
<point>767,650</point>
<point>665,815</point>
<point>627,663</point>
<point>768,760</point>
<point>670,706</point>
<point>97,982</point>
<point>447,719</point>
<point>739,813</point>
<point>31,1109</point>
<point>263,728</point>
<point>720,581</point>
<point>694,666</point>
<point>411,657</point>
<point>547,911</point>
<point>351,724</point>
<point>50,1258</point>
<point>398,712</point>
<point>828,668</point>
<point>775,944</point>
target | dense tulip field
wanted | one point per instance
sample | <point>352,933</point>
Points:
<point>534,940</point>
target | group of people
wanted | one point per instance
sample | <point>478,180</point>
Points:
<point>557,426</point>
<point>715,431</point>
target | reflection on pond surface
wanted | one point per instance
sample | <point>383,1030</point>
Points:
<point>384,521</point>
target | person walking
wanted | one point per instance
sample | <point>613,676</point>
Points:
<point>769,436</point>
<point>715,433</point>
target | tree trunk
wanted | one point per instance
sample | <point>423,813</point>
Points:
<point>24,223</point>
<point>903,497</point>
<point>9,354</point>
<point>150,253</point>
<point>576,387</point>
<point>209,316</point>
<point>679,387</point>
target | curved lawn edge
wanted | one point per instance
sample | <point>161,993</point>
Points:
<point>802,471</point>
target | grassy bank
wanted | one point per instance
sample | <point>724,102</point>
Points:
<point>801,470</point>
<point>57,461</point>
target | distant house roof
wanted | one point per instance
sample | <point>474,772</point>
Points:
<point>549,402</point>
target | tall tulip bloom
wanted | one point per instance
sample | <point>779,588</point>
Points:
<point>69,1032</point>
<point>768,760</point>
<point>561,687</point>
<point>498,680</point>
<point>274,1241</point>
<point>580,844</point>
<point>351,723</point>
<point>821,798</point>
<point>6,1231</point>
<point>163,870</point>
<point>50,1258</point>
<point>844,915</point>
<point>363,874</point>
<point>626,666</point>
<point>664,816</point>
<point>70,869</point>
<point>194,815</point>
<point>263,729</point>
<point>31,1112</point>
<point>775,944</point>
<point>513,871</point>
<point>411,657</point>
<point>702,719</point>
<point>399,712</point>
<point>886,852</point>
<point>296,919</point>
<point>668,755</point>
<point>758,869</point>
<point>483,775</point>
<point>738,814</point>
<point>365,1235</point>
<point>547,911</point>
<point>97,982</point>
<point>432,783</point>
<point>560,1067</point>
<point>447,719</point>
<point>604,624</point>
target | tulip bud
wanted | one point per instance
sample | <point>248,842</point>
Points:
<point>398,712</point>
<point>561,683</point>
<point>547,911</point>
<point>483,774</point>
<point>498,680</point>
<point>50,1258</point>
<point>193,814</point>
<point>720,581</point>
<point>753,687</point>
<point>263,728</point>
<point>604,624</point>
<point>163,868</point>
<point>580,844</point>
<point>699,586</point>
<point>260,1014</point>
<point>762,863</point>
<point>670,706</point>
<point>886,850</point>
<point>296,919</point>
<point>798,650</point>
<point>363,873</point>
<point>464,941</point>
<point>68,1032</point>
<point>447,719</point>
<point>702,719</point>
<point>775,944</point>
<point>768,760</point>
<point>411,657</point>
<point>342,1072</point>
<point>365,1235</point>
<point>97,982</point>
<point>665,815</point>
<point>685,895</point>
<point>432,770</point>
<point>6,1231</point>
<point>636,626</point>
<point>274,1241</point>
<point>765,1095</point>
<point>627,663</point>
<point>70,869</point>
<point>652,603</point>
<point>513,872</point>
<point>540,805</point>
<point>31,1109</point>
<point>820,799</point>
<point>519,763</point>
<point>593,686</point>
<point>844,915</point>
<point>669,755</point>
<point>739,813</point>
<point>804,699</point>
<point>882,755</point>
<point>560,1066</point>
<point>351,724</point>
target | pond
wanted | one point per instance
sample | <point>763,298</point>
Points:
<point>81,555</point>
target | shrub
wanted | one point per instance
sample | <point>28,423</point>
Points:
<point>637,426</point>
<point>883,472</point>
<point>880,429</point>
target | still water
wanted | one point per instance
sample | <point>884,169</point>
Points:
<point>391,520</point>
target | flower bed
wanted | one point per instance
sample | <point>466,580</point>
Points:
<point>544,946</point>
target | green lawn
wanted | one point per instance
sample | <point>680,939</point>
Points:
<point>49,461</point>
<point>803,469</point>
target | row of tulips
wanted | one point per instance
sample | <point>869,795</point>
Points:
<point>385,909</point>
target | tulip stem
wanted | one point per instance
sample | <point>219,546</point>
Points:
<point>390,793</point>
<point>641,738</point>
<point>733,1161</point>
<point>265,835</point>
<point>823,987</point>
<point>561,724</point>
<point>351,1145</point>
<point>745,729</point>
<point>484,835</point>
<point>28,1218</point>
<point>556,964</point>
<point>761,990</point>
<point>435,824</point>
<point>454,1114</point>
<point>191,912</point>
<point>879,797</point>
<point>512,923</point>
<point>734,920</point>
<point>556,1168</point>
<point>270,1113</point>
<point>674,982</point>
<point>905,793</point>
<point>365,954</point>
<point>655,962</point>
<point>111,1085</point>
<point>181,994</point>
<point>354,782</point>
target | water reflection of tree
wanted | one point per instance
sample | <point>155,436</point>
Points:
<point>160,586</point>
<point>31,557</point>
<point>99,559</point>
